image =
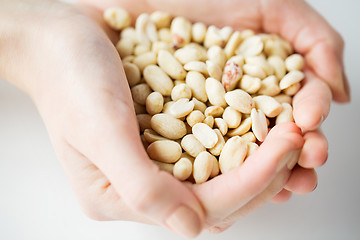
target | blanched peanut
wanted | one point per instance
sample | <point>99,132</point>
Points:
<point>249,137</point>
<point>168,126</point>
<point>125,47</point>
<point>151,31</point>
<point>232,44</point>
<point>215,92</point>
<point>232,117</point>
<point>140,92</point>
<point>293,89</point>
<point>151,136</point>
<point>201,51</point>
<point>117,18</point>
<point>160,45</point>
<point>181,91</point>
<point>232,154</point>
<point>250,84</point>
<point>132,73</point>
<point>145,60</point>
<point>275,47</point>
<point>170,65</point>
<point>278,65</point>
<point>129,59</point>
<point>196,81</point>
<point>197,66</point>
<point>206,136</point>
<point>140,49</point>
<point>243,128</point>
<point>209,120</point>
<point>214,111</point>
<point>213,37</point>
<point>240,100</point>
<point>144,121</point>
<point>215,171</point>
<point>254,71</point>
<point>183,169</point>
<point>154,103</point>
<point>252,147</point>
<point>251,46</point>
<point>166,151</point>
<point>167,167</point>
<point>161,19</point>
<point>198,32</point>
<point>158,80</point>
<point>166,107</point>
<point>259,124</point>
<point>268,105</point>
<point>214,70</point>
<point>164,35</point>
<point>203,165</point>
<point>225,33</point>
<point>238,59</point>
<point>283,98</point>
<point>191,145</point>
<point>181,31</point>
<point>291,78</point>
<point>199,105</point>
<point>139,109</point>
<point>188,54</point>
<point>140,28</point>
<point>216,150</point>
<point>261,62</point>
<point>269,86</point>
<point>217,55</point>
<point>286,114</point>
<point>294,62</point>
<point>195,117</point>
<point>231,75</point>
<point>181,108</point>
<point>129,33</point>
<point>221,125</point>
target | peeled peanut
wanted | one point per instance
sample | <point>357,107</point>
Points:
<point>268,105</point>
<point>196,81</point>
<point>232,154</point>
<point>181,90</point>
<point>259,124</point>
<point>166,151</point>
<point>161,45</point>
<point>206,136</point>
<point>203,165</point>
<point>232,117</point>
<point>286,114</point>
<point>139,109</point>
<point>181,108</point>
<point>140,27</point>
<point>254,71</point>
<point>217,55</point>
<point>214,70</point>
<point>213,37</point>
<point>144,60</point>
<point>249,137</point>
<point>252,147</point>
<point>232,44</point>
<point>198,32</point>
<point>197,66</point>
<point>151,136</point>
<point>158,80</point>
<point>191,145</point>
<point>199,105</point>
<point>215,92</point>
<point>164,35</point>
<point>294,62</point>
<point>154,103</point>
<point>251,46</point>
<point>141,49</point>
<point>170,65</point>
<point>132,73</point>
<point>270,86</point>
<point>221,125</point>
<point>182,169</point>
<point>216,150</point>
<point>168,126</point>
<point>140,92</point>
<point>144,121</point>
<point>291,78</point>
<point>250,84</point>
<point>117,18</point>
<point>293,89</point>
<point>181,31</point>
<point>125,47</point>
<point>243,128</point>
<point>240,100</point>
<point>209,120</point>
<point>278,65</point>
<point>195,117</point>
<point>161,19</point>
<point>214,111</point>
<point>188,54</point>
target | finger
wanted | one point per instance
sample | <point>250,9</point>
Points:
<point>311,103</point>
<point>227,193</point>
<point>302,180</point>
<point>219,228</point>
<point>315,150</point>
<point>283,196</point>
<point>313,37</point>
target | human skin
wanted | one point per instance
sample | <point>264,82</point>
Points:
<point>63,57</point>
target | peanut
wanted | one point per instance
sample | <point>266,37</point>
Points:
<point>166,151</point>
<point>206,136</point>
<point>191,145</point>
<point>232,154</point>
<point>168,126</point>
<point>203,165</point>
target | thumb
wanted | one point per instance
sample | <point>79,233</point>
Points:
<point>142,186</point>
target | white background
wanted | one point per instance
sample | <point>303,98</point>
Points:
<point>36,201</point>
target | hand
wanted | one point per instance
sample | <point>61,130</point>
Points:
<point>310,35</point>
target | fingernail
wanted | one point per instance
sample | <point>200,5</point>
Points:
<point>289,160</point>
<point>184,221</point>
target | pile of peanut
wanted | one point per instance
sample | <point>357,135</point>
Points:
<point>204,97</point>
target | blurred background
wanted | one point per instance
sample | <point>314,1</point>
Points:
<point>36,201</point>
